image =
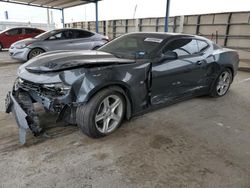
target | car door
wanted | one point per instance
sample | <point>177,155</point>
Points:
<point>12,36</point>
<point>58,41</point>
<point>178,78</point>
<point>82,40</point>
<point>29,32</point>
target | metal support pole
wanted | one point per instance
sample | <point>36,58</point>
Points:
<point>126,26</point>
<point>228,28</point>
<point>181,24</point>
<point>175,24</point>
<point>140,25</point>
<point>167,16</point>
<point>114,29</point>
<point>48,16</point>
<point>104,28</point>
<point>107,28</point>
<point>197,32</point>
<point>96,17</point>
<point>48,19</point>
<point>62,17</point>
<point>157,25</point>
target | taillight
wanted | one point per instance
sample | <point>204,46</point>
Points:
<point>106,38</point>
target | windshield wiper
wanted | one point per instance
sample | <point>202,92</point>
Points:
<point>117,55</point>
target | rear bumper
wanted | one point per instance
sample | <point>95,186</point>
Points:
<point>13,106</point>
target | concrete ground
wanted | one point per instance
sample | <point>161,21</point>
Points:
<point>203,142</point>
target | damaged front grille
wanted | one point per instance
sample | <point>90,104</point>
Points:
<point>43,89</point>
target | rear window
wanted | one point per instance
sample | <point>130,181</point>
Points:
<point>82,34</point>
<point>29,31</point>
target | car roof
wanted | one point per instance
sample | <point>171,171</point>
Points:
<point>65,29</point>
<point>7,29</point>
<point>166,35</point>
<point>23,28</point>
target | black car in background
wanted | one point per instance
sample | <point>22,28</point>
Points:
<point>128,76</point>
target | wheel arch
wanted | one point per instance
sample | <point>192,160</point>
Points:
<point>226,66</point>
<point>119,87</point>
<point>230,67</point>
<point>33,49</point>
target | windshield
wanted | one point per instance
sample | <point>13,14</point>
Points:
<point>46,35</point>
<point>133,46</point>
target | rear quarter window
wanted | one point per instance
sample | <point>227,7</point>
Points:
<point>30,31</point>
<point>82,34</point>
<point>216,47</point>
<point>202,45</point>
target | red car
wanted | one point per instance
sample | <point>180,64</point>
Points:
<point>9,36</point>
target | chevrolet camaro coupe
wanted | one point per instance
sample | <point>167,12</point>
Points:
<point>129,76</point>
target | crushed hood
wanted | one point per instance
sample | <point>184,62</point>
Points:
<point>65,60</point>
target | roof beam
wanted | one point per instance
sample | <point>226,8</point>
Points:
<point>50,4</point>
<point>32,5</point>
<point>58,3</point>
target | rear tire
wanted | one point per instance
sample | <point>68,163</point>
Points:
<point>1,47</point>
<point>35,52</point>
<point>102,115</point>
<point>222,83</point>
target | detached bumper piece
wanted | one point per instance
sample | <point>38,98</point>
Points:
<point>20,104</point>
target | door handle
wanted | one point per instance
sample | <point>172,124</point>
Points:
<point>200,62</point>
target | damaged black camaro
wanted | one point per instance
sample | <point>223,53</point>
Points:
<point>129,76</point>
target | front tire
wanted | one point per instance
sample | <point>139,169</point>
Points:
<point>35,52</point>
<point>102,115</point>
<point>1,47</point>
<point>222,83</point>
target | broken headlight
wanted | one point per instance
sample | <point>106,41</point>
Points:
<point>17,83</point>
<point>58,87</point>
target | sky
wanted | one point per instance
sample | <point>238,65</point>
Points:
<point>122,9</point>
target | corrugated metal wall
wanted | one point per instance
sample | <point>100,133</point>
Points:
<point>231,30</point>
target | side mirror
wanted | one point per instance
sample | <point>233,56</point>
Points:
<point>7,33</point>
<point>169,55</point>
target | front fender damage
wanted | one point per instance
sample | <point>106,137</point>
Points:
<point>20,104</point>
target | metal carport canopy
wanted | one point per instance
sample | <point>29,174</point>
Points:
<point>60,5</point>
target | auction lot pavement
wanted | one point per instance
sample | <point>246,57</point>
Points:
<point>202,142</point>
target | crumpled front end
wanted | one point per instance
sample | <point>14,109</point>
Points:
<point>25,93</point>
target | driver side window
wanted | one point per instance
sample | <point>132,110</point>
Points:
<point>183,47</point>
<point>58,36</point>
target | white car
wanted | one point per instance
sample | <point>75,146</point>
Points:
<point>59,39</point>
